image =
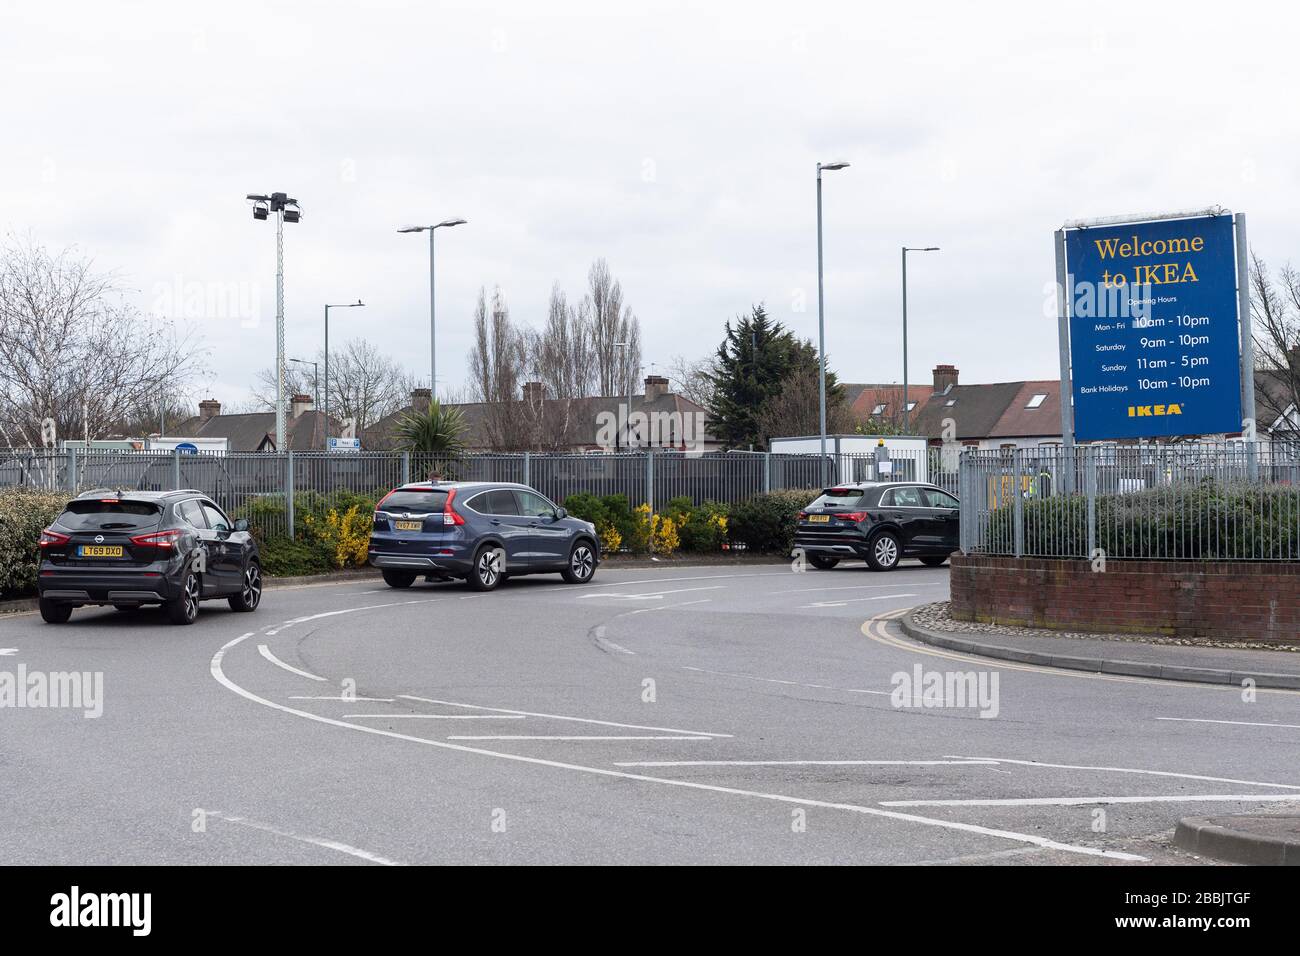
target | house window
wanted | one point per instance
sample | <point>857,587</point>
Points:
<point>879,409</point>
<point>911,405</point>
<point>1037,400</point>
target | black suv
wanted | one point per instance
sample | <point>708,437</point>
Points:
<point>128,548</point>
<point>882,522</point>
<point>479,531</point>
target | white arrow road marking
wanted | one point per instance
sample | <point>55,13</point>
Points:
<point>1086,801</point>
<point>878,597</point>
<point>580,720</point>
<point>648,595</point>
<point>795,683</point>
<point>266,652</point>
<point>1239,723</point>
<point>8,651</point>
<point>1151,773</point>
<point>805,763</point>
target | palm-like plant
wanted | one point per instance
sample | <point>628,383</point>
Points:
<point>440,430</point>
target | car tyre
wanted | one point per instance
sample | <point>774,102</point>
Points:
<point>486,572</point>
<point>250,591</point>
<point>935,560</point>
<point>581,566</point>
<point>884,552</point>
<point>184,608</point>
<point>821,562</point>
<point>52,612</point>
<point>398,579</point>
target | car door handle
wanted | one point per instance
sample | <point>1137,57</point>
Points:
<point>496,520</point>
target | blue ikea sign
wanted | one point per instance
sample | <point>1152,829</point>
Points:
<point>1155,348</point>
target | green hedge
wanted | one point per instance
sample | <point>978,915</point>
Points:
<point>1209,521</point>
<point>23,515</point>
<point>766,522</point>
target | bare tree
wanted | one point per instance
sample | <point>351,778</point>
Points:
<point>1275,315</point>
<point>72,351</point>
<point>692,379</point>
<point>796,409</point>
<point>496,372</point>
<point>297,381</point>
<point>561,356</point>
<point>612,322</point>
<point>365,385</point>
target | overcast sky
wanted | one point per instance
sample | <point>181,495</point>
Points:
<point>678,144</point>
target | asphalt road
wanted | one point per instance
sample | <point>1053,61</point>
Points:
<point>676,716</point>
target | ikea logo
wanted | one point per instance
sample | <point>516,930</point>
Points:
<point>1145,411</point>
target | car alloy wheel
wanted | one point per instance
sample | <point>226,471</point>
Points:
<point>582,563</point>
<point>191,596</point>
<point>489,568</point>
<point>885,551</point>
<point>252,593</point>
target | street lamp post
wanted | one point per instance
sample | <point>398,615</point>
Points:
<point>821,320</point>
<point>907,414</point>
<point>433,351</point>
<point>346,305</point>
<point>286,210</point>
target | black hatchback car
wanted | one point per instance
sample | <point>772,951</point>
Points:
<point>479,531</point>
<point>882,522</point>
<point>130,548</point>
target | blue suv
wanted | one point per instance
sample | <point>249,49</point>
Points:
<point>480,532</point>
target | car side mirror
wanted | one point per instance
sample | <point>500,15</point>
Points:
<point>241,524</point>
<point>560,513</point>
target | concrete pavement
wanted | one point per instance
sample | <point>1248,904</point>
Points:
<point>687,715</point>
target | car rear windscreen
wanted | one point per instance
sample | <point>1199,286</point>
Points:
<point>424,502</point>
<point>114,515</point>
<point>838,498</point>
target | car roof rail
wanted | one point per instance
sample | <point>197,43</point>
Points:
<point>100,492</point>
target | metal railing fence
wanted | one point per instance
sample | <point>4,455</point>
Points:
<point>274,490</point>
<point>1186,501</point>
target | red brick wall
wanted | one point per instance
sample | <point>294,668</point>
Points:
<point>1213,599</point>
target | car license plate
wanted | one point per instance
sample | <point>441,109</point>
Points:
<point>408,525</point>
<point>99,550</point>
<point>819,519</point>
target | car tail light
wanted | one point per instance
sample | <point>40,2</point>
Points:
<point>162,540</point>
<point>803,516</point>
<point>854,515</point>
<point>449,515</point>
<point>52,539</point>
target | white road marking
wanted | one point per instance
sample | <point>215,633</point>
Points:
<point>878,597</point>
<point>8,651</point>
<point>434,716</point>
<point>579,720</point>
<point>666,607</point>
<point>1151,773</point>
<point>805,763</point>
<point>1087,801</point>
<point>647,595</point>
<point>570,737</point>
<point>218,674</point>
<point>795,683</point>
<point>351,700</point>
<point>302,838</point>
<point>1239,723</point>
<point>266,652</point>
<point>853,587</point>
<point>272,631</point>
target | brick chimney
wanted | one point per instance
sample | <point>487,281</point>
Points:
<point>534,393</point>
<point>421,400</point>
<point>298,404</point>
<point>209,408</point>
<point>655,386</point>
<point>944,375</point>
